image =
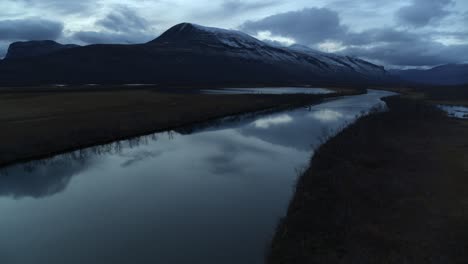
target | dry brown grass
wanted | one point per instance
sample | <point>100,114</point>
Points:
<point>392,188</point>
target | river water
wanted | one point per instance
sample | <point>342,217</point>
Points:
<point>208,194</point>
<point>268,90</point>
<point>455,111</point>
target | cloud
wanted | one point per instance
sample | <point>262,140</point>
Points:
<point>123,19</point>
<point>30,29</point>
<point>3,48</point>
<point>402,47</point>
<point>388,45</point>
<point>123,25</point>
<point>100,37</point>
<point>60,5</point>
<point>422,12</point>
<point>219,13</point>
<point>405,48</point>
<point>362,27</point>
<point>307,26</point>
<point>240,6</point>
<point>411,53</point>
<point>378,35</point>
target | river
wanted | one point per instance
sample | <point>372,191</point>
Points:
<point>209,194</point>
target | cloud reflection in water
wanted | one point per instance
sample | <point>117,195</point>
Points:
<point>267,122</point>
<point>220,188</point>
<point>327,115</point>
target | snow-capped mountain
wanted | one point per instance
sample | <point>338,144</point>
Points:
<point>350,63</point>
<point>236,43</point>
<point>231,42</point>
<point>191,34</point>
<point>190,54</point>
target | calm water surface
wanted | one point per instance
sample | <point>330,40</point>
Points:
<point>213,195</point>
<point>455,111</point>
<point>268,90</point>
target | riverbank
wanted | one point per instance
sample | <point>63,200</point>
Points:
<point>391,188</point>
<point>44,122</point>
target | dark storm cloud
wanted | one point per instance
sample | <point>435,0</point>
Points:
<point>30,29</point>
<point>422,12</point>
<point>122,25</point>
<point>387,45</point>
<point>307,26</point>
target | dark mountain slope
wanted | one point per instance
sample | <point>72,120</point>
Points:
<point>449,74</point>
<point>187,54</point>
<point>35,48</point>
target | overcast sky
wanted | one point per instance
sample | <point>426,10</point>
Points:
<point>392,33</point>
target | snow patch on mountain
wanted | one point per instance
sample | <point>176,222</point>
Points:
<point>233,38</point>
<point>351,63</point>
<point>254,48</point>
<point>241,45</point>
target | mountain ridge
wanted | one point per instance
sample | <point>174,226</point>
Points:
<point>23,49</point>
<point>447,74</point>
<point>189,54</point>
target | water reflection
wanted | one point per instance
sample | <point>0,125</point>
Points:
<point>214,196</point>
<point>225,122</point>
<point>268,90</point>
<point>327,115</point>
<point>139,157</point>
<point>314,125</point>
<point>455,111</point>
<point>47,177</point>
<point>37,180</point>
<point>266,122</point>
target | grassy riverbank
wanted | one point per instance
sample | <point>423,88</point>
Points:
<point>43,122</point>
<point>392,188</point>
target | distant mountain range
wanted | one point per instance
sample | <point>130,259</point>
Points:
<point>186,54</point>
<point>450,74</point>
